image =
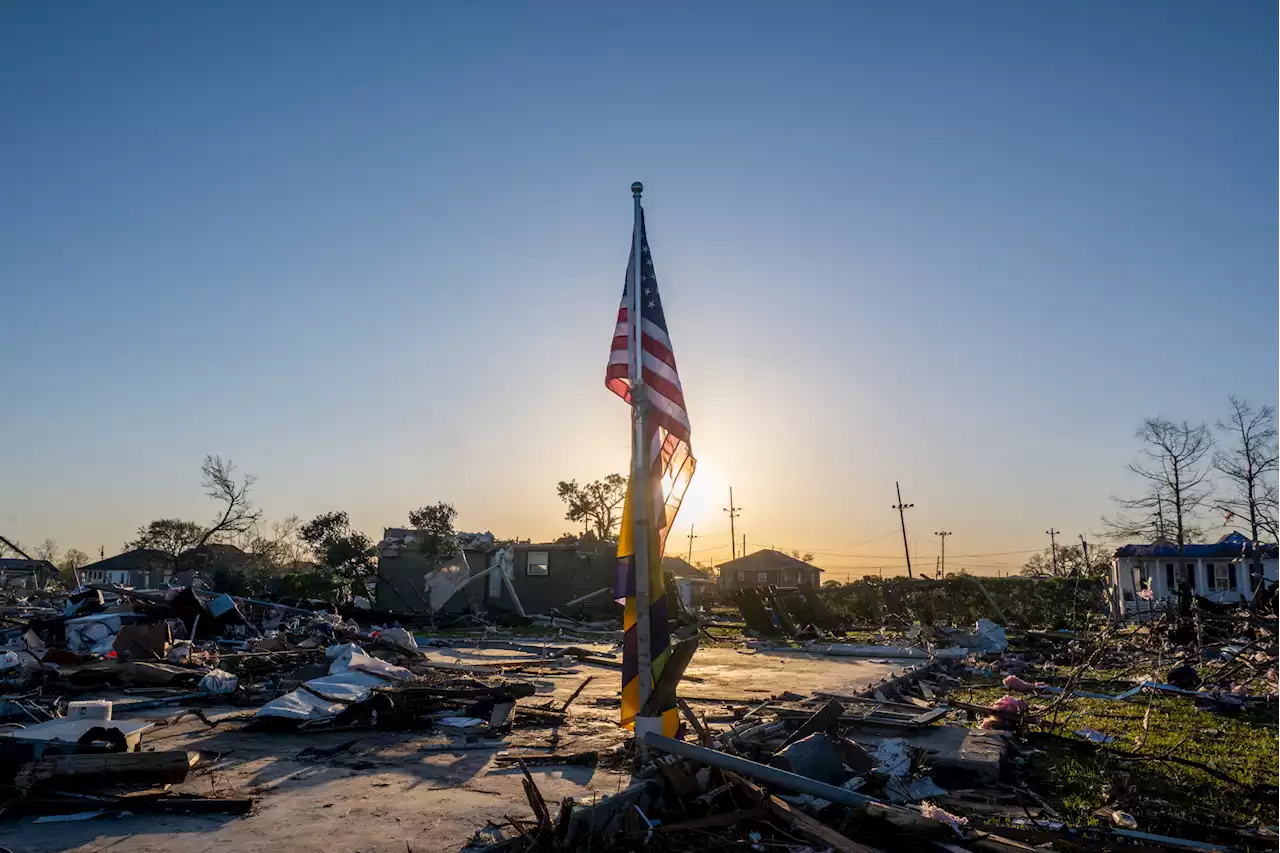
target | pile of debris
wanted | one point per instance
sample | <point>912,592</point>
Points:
<point>913,765</point>
<point>85,672</point>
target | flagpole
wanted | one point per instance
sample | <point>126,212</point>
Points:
<point>641,487</point>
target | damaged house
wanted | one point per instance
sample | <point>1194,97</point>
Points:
<point>1225,571</point>
<point>492,576</point>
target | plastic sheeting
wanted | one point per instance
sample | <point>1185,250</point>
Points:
<point>441,584</point>
<point>352,676</point>
<point>94,634</point>
<point>989,638</point>
<point>219,681</point>
<point>400,638</point>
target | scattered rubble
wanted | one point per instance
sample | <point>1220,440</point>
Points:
<point>945,751</point>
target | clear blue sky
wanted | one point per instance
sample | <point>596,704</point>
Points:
<point>373,253</point>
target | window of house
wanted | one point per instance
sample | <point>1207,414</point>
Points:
<point>1169,580</point>
<point>1231,577</point>
<point>762,577</point>
<point>537,565</point>
<point>1221,575</point>
<point>1189,573</point>
<point>742,576</point>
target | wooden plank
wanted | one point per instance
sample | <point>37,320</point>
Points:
<point>536,802</point>
<point>826,717</point>
<point>77,771</point>
<point>798,821</point>
<point>714,821</point>
<point>703,735</point>
<point>575,693</point>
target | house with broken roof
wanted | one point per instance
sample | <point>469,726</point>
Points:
<point>767,568</point>
<point>29,574</point>
<point>492,576</point>
<point>1226,571</point>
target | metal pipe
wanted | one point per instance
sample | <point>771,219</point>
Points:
<point>763,772</point>
<point>588,596</point>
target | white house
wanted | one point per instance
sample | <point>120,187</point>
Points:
<point>1224,571</point>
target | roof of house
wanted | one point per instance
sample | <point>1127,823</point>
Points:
<point>138,558</point>
<point>21,564</point>
<point>213,555</point>
<point>1231,545</point>
<point>765,560</point>
<point>681,568</point>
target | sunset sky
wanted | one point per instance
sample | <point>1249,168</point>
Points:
<point>374,253</point>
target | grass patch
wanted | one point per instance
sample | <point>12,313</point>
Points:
<point>1077,777</point>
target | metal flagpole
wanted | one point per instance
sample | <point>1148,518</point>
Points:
<point>641,486</point>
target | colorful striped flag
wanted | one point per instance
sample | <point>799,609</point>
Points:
<point>670,466</point>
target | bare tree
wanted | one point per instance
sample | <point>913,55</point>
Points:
<point>238,515</point>
<point>73,559</point>
<point>47,551</point>
<point>1171,463</point>
<point>1248,467</point>
<point>274,547</point>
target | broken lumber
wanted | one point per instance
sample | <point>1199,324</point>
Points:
<point>88,770</point>
<point>826,717</point>
<point>798,821</point>
<point>694,723</point>
<point>574,694</point>
<point>715,821</point>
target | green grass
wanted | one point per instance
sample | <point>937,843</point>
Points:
<point>1076,777</point>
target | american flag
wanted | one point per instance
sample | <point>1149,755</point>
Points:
<point>670,455</point>
<point>670,465</point>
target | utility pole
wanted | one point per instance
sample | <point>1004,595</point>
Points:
<point>1084,547</point>
<point>943,534</point>
<point>1053,546</point>
<point>901,507</point>
<point>734,512</point>
<point>744,544</point>
<point>692,536</point>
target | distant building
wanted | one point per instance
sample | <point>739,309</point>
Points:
<point>1225,571</point>
<point>140,568</point>
<point>767,568</point>
<point>545,576</point>
<point>29,574</point>
<point>151,568</point>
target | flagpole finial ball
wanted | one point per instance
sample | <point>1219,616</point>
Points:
<point>637,188</point>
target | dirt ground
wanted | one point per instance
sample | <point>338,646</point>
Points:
<point>366,790</point>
